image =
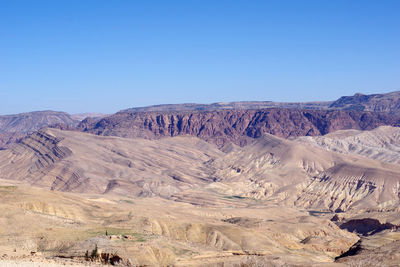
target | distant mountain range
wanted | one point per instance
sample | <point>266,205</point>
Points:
<point>238,126</point>
<point>14,127</point>
<point>218,122</point>
<point>389,102</point>
<point>229,105</point>
<point>239,122</point>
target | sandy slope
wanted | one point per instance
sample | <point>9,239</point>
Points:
<point>182,201</point>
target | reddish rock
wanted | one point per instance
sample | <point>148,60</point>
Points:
<point>237,126</point>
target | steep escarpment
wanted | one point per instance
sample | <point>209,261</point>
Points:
<point>237,126</point>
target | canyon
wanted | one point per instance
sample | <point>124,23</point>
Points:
<point>234,184</point>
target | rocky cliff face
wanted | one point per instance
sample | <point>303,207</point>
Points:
<point>237,126</point>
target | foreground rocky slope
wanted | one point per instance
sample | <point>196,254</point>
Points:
<point>237,126</point>
<point>157,232</point>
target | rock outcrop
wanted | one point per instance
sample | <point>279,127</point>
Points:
<point>237,126</point>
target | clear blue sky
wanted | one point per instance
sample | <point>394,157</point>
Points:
<point>103,56</point>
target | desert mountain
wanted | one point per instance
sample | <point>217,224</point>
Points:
<point>284,171</point>
<point>237,126</point>
<point>33,121</point>
<point>126,178</point>
<point>218,122</point>
<point>93,115</point>
<point>389,102</point>
<point>79,162</point>
<point>234,187</point>
<point>382,143</point>
<point>181,168</point>
<point>182,201</point>
<point>14,127</point>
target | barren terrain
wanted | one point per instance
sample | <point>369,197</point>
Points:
<point>182,201</point>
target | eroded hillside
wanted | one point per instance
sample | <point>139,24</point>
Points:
<point>182,201</point>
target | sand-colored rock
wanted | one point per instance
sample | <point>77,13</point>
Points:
<point>382,143</point>
<point>181,201</point>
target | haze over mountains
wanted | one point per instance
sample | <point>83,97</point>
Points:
<point>246,183</point>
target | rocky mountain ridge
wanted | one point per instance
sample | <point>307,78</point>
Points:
<point>236,126</point>
<point>236,122</point>
<point>230,105</point>
<point>182,201</point>
<point>386,102</point>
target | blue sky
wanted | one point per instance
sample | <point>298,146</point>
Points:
<point>103,56</point>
